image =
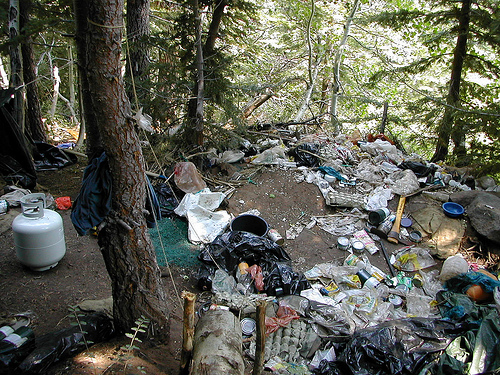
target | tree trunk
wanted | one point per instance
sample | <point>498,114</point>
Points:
<point>35,126</point>
<point>94,146</point>
<point>138,59</point>
<point>16,66</point>
<point>203,51</point>
<point>125,243</point>
<point>336,69</point>
<point>448,125</point>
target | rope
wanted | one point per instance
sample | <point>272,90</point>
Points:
<point>162,246</point>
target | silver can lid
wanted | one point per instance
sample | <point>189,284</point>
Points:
<point>248,326</point>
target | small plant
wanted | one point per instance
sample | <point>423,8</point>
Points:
<point>141,325</point>
<point>76,314</point>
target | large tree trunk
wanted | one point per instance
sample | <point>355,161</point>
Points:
<point>446,127</point>
<point>35,126</point>
<point>94,146</point>
<point>138,59</point>
<point>125,244</point>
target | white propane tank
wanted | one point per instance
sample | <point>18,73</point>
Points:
<point>38,234</point>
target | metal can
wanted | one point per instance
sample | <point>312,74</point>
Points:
<point>357,246</point>
<point>342,243</point>
<point>248,326</point>
<point>274,236</point>
<point>4,206</point>
<point>395,300</point>
<point>363,275</point>
<point>386,225</point>
<point>353,260</point>
<point>372,283</point>
<point>418,281</point>
<point>378,216</point>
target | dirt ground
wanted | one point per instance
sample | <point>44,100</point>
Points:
<point>81,274</point>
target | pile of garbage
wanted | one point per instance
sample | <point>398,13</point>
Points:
<point>353,317</point>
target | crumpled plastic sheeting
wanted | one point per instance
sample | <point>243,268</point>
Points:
<point>401,346</point>
<point>273,155</point>
<point>380,147</point>
<point>345,225</point>
<point>403,183</point>
<point>369,172</point>
<point>379,198</point>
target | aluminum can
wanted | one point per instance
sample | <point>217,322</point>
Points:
<point>274,236</point>
<point>3,206</point>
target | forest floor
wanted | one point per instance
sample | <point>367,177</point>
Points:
<point>81,274</point>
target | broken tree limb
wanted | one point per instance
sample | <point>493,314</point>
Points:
<point>217,345</point>
<point>256,104</point>
<point>187,331</point>
<point>260,343</point>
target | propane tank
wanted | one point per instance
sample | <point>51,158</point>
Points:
<point>38,234</point>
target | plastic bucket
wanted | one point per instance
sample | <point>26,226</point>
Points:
<point>250,223</point>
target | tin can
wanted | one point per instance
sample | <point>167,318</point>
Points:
<point>357,246</point>
<point>372,283</point>
<point>415,236</point>
<point>342,243</point>
<point>395,300</point>
<point>248,326</point>
<point>353,260</point>
<point>386,225</point>
<point>274,236</point>
<point>4,206</point>
<point>418,281</point>
<point>363,276</point>
<point>378,216</point>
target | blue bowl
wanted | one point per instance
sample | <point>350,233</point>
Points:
<point>452,209</point>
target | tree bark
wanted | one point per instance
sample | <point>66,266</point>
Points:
<point>16,66</point>
<point>138,59</point>
<point>203,52</point>
<point>256,104</point>
<point>34,124</point>
<point>448,125</point>
<point>217,345</point>
<point>94,146</point>
<point>336,69</point>
<point>125,244</point>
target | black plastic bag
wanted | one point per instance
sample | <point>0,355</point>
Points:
<point>11,359</point>
<point>305,158</point>
<point>204,277</point>
<point>51,158</point>
<point>400,346</point>
<point>167,199</point>
<point>282,279</point>
<point>64,343</point>
<point>233,247</point>
<point>420,169</point>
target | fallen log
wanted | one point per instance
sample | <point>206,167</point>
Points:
<point>218,345</point>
